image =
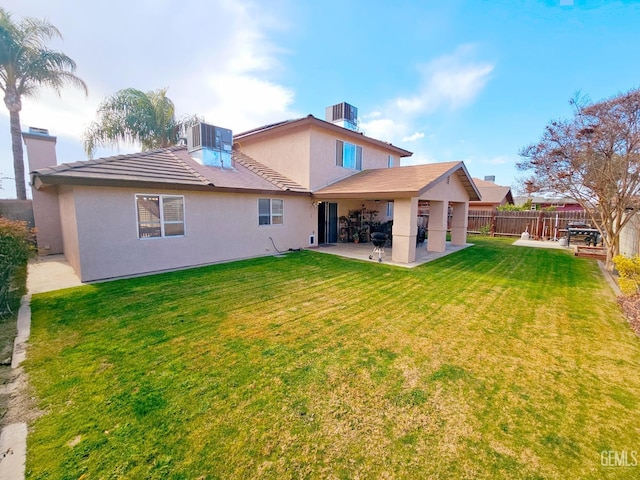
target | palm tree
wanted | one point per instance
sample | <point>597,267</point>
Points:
<point>130,115</point>
<point>26,63</point>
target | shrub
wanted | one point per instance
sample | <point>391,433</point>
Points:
<point>16,247</point>
<point>515,208</point>
<point>485,229</point>
<point>629,271</point>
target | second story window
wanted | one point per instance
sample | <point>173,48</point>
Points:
<point>348,155</point>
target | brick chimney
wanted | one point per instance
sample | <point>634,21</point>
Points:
<point>41,153</point>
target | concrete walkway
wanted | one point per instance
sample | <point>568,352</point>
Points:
<point>44,274</point>
<point>52,272</point>
<point>13,439</point>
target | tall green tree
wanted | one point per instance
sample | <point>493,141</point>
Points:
<point>26,63</point>
<point>593,158</point>
<point>131,116</point>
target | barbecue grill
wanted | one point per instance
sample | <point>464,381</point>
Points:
<point>379,239</point>
<point>591,235</point>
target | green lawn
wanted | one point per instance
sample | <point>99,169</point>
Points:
<point>493,362</point>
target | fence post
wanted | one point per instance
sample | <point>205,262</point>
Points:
<point>493,223</point>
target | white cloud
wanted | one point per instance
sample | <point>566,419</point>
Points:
<point>374,114</point>
<point>243,101</point>
<point>225,69</point>
<point>413,137</point>
<point>448,82</point>
<point>419,158</point>
<point>386,129</point>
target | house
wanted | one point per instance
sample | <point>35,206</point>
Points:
<point>493,195</point>
<point>557,203</point>
<point>222,197</point>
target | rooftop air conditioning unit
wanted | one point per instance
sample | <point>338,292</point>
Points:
<point>343,114</point>
<point>211,145</point>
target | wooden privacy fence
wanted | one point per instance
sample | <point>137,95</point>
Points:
<point>539,224</point>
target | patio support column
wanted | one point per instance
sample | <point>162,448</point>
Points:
<point>405,229</point>
<point>459,222</point>
<point>437,234</point>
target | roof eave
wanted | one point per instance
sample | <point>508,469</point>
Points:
<point>42,181</point>
<point>46,180</point>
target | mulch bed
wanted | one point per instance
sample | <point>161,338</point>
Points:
<point>631,308</point>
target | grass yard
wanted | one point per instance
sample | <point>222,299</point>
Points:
<point>493,362</point>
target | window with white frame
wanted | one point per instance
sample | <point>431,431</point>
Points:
<point>348,155</point>
<point>390,161</point>
<point>390,209</point>
<point>160,215</point>
<point>270,211</point>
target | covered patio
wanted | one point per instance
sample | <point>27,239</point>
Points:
<point>447,187</point>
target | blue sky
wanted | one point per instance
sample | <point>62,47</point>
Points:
<point>448,80</point>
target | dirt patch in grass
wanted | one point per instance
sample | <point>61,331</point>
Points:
<point>7,335</point>
<point>20,402</point>
<point>631,308</point>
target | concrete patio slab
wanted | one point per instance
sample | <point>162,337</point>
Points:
<point>51,272</point>
<point>361,251</point>
<point>542,244</point>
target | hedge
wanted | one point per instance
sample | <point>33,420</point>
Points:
<point>16,247</point>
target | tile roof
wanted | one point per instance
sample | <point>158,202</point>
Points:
<point>493,193</point>
<point>156,166</point>
<point>172,167</point>
<point>411,180</point>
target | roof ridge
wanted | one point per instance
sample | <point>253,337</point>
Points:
<point>267,127</point>
<point>62,167</point>
<point>265,172</point>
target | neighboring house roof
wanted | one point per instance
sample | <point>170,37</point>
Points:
<point>310,120</point>
<point>545,200</point>
<point>492,194</point>
<point>412,180</point>
<point>170,167</point>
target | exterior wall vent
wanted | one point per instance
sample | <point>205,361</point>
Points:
<point>210,145</point>
<point>343,114</point>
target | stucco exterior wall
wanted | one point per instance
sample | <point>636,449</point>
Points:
<point>454,191</point>
<point>68,225</point>
<point>285,152</point>
<point>307,154</point>
<point>218,227</point>
<point>324,170</point>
